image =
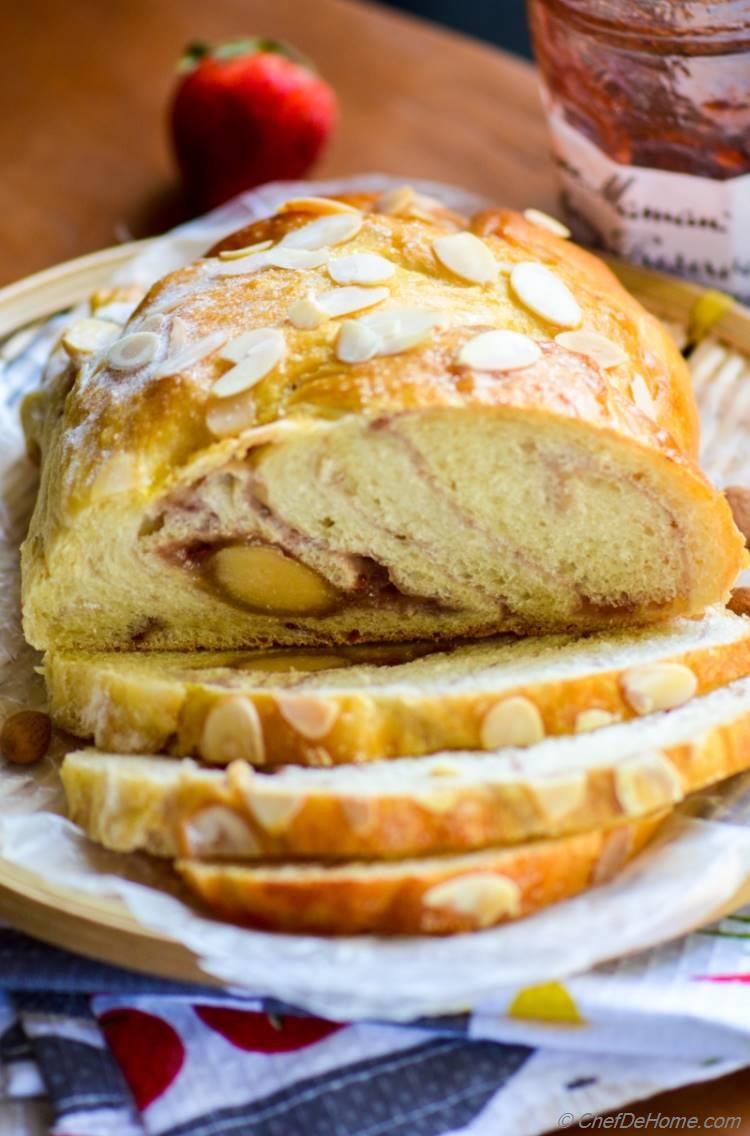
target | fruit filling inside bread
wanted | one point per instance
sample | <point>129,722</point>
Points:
<point>370,420</point>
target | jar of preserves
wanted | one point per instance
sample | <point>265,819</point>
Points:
<point>648,104</point>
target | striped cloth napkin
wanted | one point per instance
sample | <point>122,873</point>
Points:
<point>90,1050</point>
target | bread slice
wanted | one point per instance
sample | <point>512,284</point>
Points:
<point>368,703</point>
<point>438,896</point>
<point>389,476</point>
<point>413,806</point>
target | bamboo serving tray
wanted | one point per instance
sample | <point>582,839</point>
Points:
<point>102,928</point>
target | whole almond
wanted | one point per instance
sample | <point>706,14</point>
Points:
<point>25,737</point>
<point>739,601</point>
<point>739,502</point>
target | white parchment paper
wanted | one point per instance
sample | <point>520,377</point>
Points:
<point>697,869</point>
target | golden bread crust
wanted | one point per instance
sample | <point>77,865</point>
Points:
<point>130,703</point>
<point>437,897</point>
<point>121,449</point>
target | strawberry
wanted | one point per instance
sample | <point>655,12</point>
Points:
<point>244,113</point>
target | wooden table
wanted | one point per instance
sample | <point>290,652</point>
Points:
<point>84,88</point>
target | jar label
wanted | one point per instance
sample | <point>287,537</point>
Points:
<point>691,226</point>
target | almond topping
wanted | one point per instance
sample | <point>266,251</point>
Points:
<point>190,354</point>
<point>244,265</point>
<point>356,343</point>
<point>218,831</point>
<point>232,732</point>
<point>307,314</point>
<point>86,336</point>
<point>312,717</point>
<point>344,301</point>
<point>646,782</point>
<point>297,258</point>
<point>658,686</point>
<point>559,796</point>
<point>332,230</point>
<point>231,416</point>
<point>605,352</point>
<point>361,268</point>
<point>482,896</point>
<point>398,329</point>
<point>315,205</point>
<point>120,474</point>
<point>545,294</point>
<point>499,351</point>
<point>614,854</point>
<point>133,351</point>
<point>467,256</point>
<point>642,396</point>
<point>397,202</point>
<point>248,250</point>
<point>513,722</point>
<point>264,352</point>
<point>594,719</point>
<point>545,221</point>
<point>273,812</point>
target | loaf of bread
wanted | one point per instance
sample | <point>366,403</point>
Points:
<point>372,702</point>
<point>438,896</point>
<point>370,420</point>
<point>450,802</point>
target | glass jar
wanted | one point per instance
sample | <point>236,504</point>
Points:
<point>649,109</point>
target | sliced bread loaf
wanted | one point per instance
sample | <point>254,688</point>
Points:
<point>363,704</point>
<point>449,802</point>
<point>436,896</point>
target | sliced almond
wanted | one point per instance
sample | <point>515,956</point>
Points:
<point>243,266</point>
<point>512,722</point>
<point>646,782</point>
<point>642,396</point>
<point>232,416</point>
<point>133,351</point>
<point>310,716</point>
<point>481,896</point>
<point>499,351</point>
<point>264,352</point>
<point>545,221</point>
<point>273,812</point>
<point>297,258</point>
<point>332,230</point>
<point>86,336</point>
<point>307,314</point>
<point>232,732</point>
<point>467,256</point>
<point>614,854</point>
<point>179,334</point>
<point>315,205</point>
<point>658,686</point>
<point>119,474</point>
<point>399,329</point>
<point>361,268</point>
<point>344,301</point>
<point>356,343</point>
<point>248,250</point>
<point>594,719</point>
<point>397,202</point>
<point>190,354</point>
<point>559,796</point>
<point>218,831</point>
<point>605,352</point>
<point>545,294</point>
